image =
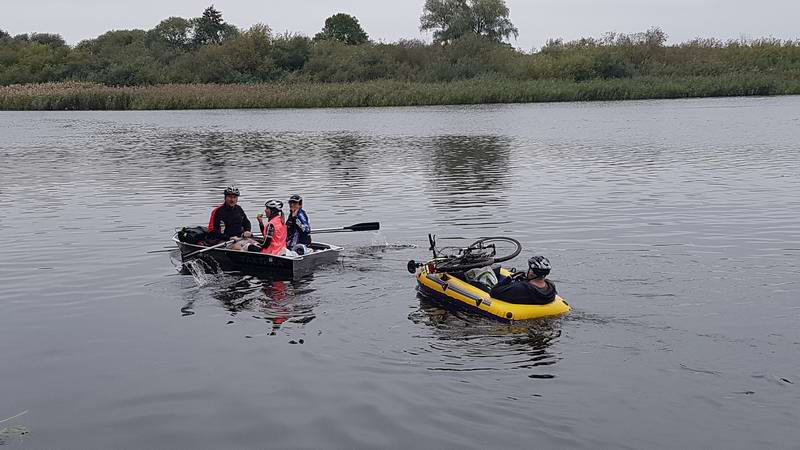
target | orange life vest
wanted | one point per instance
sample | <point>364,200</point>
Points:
<point>278,244</point>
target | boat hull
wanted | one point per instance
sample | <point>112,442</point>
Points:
<point>262,264</point>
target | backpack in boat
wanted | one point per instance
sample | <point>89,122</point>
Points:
<point>192,235</point>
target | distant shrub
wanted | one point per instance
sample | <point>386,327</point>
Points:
<point>291,51</point>
<point>172,52</point>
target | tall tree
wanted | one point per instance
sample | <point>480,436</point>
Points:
<point>248,53</point>
<point>290,52</point>
<point>49,39</point>
<point>344,28</point>
<point>451,19</point>
<point>210,28</point>
<point>173,32</point>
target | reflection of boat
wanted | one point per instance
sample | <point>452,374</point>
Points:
<point>443,279</point>
<point>277,267</point>
<point>467,342</point>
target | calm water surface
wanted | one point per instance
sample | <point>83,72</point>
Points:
<point>674,228</point>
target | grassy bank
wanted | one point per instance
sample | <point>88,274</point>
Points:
<point>90,96</point>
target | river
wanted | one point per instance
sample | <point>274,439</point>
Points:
<point>673,228</point>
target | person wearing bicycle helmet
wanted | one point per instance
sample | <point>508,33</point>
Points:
<point>298,228</point>
<point>529,288</point>
<point>228,220</point>
<point>274,231</point>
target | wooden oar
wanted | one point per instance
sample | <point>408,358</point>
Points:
<point>208,248</point>
<point>366,226</point>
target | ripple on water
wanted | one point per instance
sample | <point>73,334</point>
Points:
<point>672,226</point>
<point>458,341</point>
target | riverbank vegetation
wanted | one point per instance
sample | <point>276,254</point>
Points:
<point>93,96</point>
<point>207,63</point>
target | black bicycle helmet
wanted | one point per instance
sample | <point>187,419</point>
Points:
<point>232,190</point>
<point>295,198</point>
<point>539,265</point>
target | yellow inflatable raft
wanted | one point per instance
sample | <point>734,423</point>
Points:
<point>445,287</point>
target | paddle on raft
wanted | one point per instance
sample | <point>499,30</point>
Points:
<point>366,226</point>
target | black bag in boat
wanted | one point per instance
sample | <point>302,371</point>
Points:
<point>192,235</point>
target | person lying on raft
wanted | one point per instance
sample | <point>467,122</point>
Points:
<point>228,220</point>
<point>274,231</point>
<point>298,228</point>
<point>532,288</point>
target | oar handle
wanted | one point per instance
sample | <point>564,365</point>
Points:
<point>208,248</point>
<point>329,230</point>
<point>366,226</point>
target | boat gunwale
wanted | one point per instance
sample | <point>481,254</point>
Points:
<point>331,248</point>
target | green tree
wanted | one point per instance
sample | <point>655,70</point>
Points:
<point>248,54</point>
<point>173,32</point>
<point>490,19</point>
<point>48,39</point>
<point>290,52</point>
<point>451,19</point>
<point>210,28</point>
<point>119,58</point>
<point>334,61</point>
<point>4,34</point>
<point>24,59</point>
<point>343,28</point>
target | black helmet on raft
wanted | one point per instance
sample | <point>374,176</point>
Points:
<point>232,190</point>
<point>296,198</point>
<point>273,204</point>
<point>539,266</point>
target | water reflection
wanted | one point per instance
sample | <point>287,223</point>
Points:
<point>275,301</point>
<point>465,342</point>
<point>286,302</point>
<point>642,200</point>
<point>348,166</point>
<point>468,172</point>
<point>272,163</point>
<point>345,148</point>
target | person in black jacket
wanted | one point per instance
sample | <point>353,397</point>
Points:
<point>530,288</point>
<point>228,220</point>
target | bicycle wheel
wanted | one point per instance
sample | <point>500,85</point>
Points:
<point>493,242</point>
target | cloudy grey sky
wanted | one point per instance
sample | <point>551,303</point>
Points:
<point>387,20</point>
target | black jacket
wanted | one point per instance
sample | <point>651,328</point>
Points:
<point>236,222</point>
<point>522,292</point>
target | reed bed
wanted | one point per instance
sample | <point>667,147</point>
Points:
<point>92,96</point>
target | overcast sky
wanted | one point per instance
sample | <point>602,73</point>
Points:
<point>389,21</point>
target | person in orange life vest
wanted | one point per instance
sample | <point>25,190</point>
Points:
<point>232,215</point>
<point>274,231</point>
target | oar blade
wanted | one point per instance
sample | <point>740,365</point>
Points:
<point>366,226</point>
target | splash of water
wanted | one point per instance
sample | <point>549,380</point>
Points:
<point>201,270</point>
<point>18,432</point>
<point>379,244</point>
<point>378,240</point>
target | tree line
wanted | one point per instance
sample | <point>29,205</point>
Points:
<point>470,41</point>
